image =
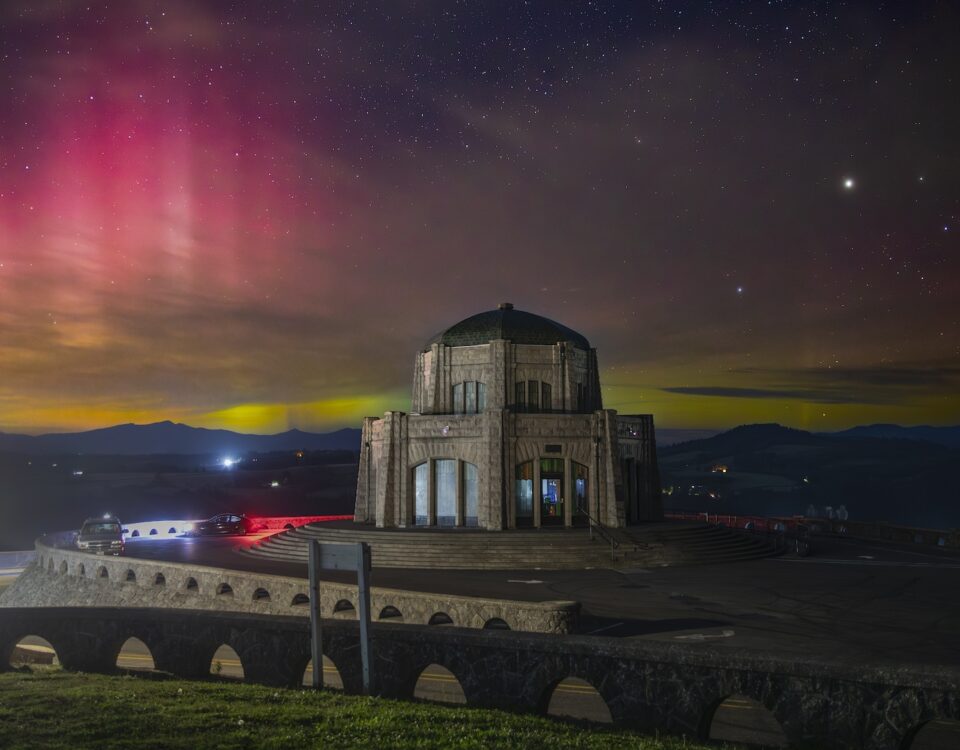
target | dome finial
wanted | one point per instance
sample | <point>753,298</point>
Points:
<point>505,306</point>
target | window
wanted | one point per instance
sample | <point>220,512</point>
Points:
<point>458,398</point>
<point>525,492</point>
<point>520,400</point>
<point>533,395</point>
<point>470,494</point>
<point>469,397</point>
<point>421,491</point>
<point>581,400</point>
<point>446,483</point>
<point>546,399</point>
<point>580,486</point>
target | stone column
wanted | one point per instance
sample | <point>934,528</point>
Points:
<point>432,492</point>
<point>461,499</point>
<point>537,497</point>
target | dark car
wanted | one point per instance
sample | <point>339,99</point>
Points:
<point>102,536</point>
<point>225,523</point>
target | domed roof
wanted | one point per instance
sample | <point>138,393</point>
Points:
<point>506,323</point>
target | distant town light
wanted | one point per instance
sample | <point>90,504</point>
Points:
<point>228,462</point>
<point>274,483</point>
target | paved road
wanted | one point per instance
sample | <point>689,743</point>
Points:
<point>849,602</point>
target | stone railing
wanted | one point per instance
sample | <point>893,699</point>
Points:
<point>68,577</point>
<point>887,532</point>
<point>650,686</point>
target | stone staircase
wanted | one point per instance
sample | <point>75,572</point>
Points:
<point>648,546</point>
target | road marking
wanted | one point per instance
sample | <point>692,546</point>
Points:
<point>875,563</point>
<point>705,636</point>
<point>608,627</point>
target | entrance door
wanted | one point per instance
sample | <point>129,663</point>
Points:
<point>551,501</point>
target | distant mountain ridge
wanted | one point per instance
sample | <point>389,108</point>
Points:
<point>948,436</point>
<point>173,438</point>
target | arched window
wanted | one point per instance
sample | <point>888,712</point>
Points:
<point>581,495</point>
<point>470,494</point>
<point>446,484</point>
<point>524,492</point>
<point>421,493</point>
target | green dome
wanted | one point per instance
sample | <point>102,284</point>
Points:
<point>506,323</point>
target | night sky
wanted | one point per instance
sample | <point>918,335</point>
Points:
<point>251,215</point>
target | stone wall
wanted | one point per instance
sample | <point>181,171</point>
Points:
<point>71,578</point>
<point>650,686</point>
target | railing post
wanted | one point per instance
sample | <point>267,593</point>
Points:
<point>316,643</point>
<point>363,584</point>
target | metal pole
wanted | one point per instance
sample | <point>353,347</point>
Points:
<point>316,642</point>
<point>363,585</point>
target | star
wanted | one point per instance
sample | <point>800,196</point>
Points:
<point>739,290</point>
<point>848,183</point>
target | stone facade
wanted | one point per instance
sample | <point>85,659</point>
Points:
<point>654,687</point>
<point>507,433</point>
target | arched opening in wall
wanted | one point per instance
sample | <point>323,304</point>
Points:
<point>933,735</point>
<point>495,623</point>
<point>191,586</point>
<point>102,572</point>
<point>135,654</point>
<point>224,589</point>
<point>344,610</point>
<point>331,675</point>
<point>63,568</point>
<point>440,618</point>
<point>261,595</point>
<point>288,527</point>
<point>226,663</point>
<point>391,614</point>
<point>159,580</point>
<point>153,532</point>
<point>81,570</point>
<point>739,719</point>
<point>440,685</point>
<point>573,698</point>
<point>33,651</point>
<point>130,576</point>
<point>172,530</point>
<point>136,532</point>
<point>300,600</point>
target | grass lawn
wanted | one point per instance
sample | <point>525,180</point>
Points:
<point>49,708</point>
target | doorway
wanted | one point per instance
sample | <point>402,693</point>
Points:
<point>551,510</point>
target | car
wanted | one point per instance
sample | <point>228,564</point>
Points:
<point>224,523</point>
<point>101,536</point>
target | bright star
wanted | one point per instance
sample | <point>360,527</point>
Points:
<point>739,290</point>
<point>848,183</point>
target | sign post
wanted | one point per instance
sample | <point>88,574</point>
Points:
<point>354,557</point>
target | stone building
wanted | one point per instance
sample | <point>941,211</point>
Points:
<point>507,430</point>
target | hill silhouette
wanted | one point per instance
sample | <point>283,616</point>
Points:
<point>172,438</point>
<point>776,470</point>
